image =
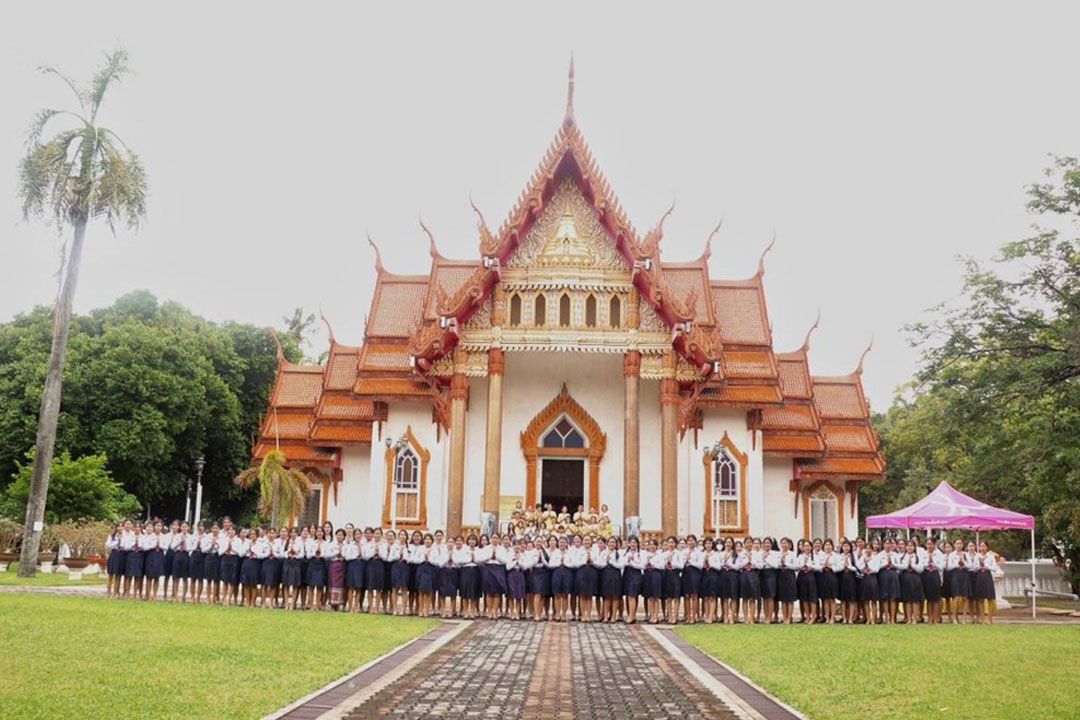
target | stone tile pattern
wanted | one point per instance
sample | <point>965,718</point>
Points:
<point>619,672</point>
<point>550,695</point>
<point>483,673</point>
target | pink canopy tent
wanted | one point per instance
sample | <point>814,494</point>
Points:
<point>948,508</point>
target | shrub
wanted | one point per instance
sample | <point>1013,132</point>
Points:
<point>79,489</point>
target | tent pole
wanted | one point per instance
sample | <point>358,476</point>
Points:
<point>1032,572</point>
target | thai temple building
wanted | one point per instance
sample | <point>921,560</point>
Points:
<point>571,363</point>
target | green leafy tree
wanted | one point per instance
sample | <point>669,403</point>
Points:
<point>995,408</point>
<point>282,492</point>
<point>82,172</point>
<point>79,489</point>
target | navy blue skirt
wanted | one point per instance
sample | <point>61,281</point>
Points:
<point>169,556</point>
<point>469,583</point>
<point>292,574</point>
<point>212,567</point>
<point>653,587</point>
<point>316,572</point>
<point>515,584</point>
<point>849,586</point>
<point>807,585</point>
<point>828,586</point>
<point>946,584</point>
<point>961,583</point>
<point>412,577</point>
<point>632,580</point>
<point>611,584</point>
<point>729,585</point>
<point>672,584</point>
<point>230,569</point>
<point>585,580</point>
<point>911,590</point>
<point>180,565</point>
<point>787,590</point>
<point>691,580</point>
<point>196,565</point>
<point>448,581</point>
<point>983,587</point>
<point>116,562</point>
<point>562,581</point>
<point>399,574</point>
<point>425,578</point>
<point>767,576</point>
<point>889,584</point>
<point>749,585</point>
<point>931,583</point>
<point>271,572</point>
<point>376,573</point>
<point>495,579</point>
<point>540,581</point>
<point>154,563</point>
<point>355,574</point>
<point>710,583</point>
<point>250,571</point>
<point>868,588</point>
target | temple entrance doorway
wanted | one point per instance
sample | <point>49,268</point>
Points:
<point>562,482</point>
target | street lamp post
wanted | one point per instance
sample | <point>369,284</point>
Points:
<point>199,465</point>
<point>187,501</point>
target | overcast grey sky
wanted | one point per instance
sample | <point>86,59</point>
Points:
<point>879,143</point>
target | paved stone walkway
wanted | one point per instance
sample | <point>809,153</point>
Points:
<point>550,671</point>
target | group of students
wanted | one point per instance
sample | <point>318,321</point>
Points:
<point>555,577</point>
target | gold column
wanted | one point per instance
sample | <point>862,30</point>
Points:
<point>459,392</point>
<point>669,446</point>
<point>493,451</point>
<point>631,436</point>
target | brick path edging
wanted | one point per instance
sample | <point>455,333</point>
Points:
<point>369,677</point>
<point>751,698</point>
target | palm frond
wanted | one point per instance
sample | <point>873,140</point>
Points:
<point>79,93</point>
<point>44,174</point>
<point>114,70</point>
<point>292,487</point>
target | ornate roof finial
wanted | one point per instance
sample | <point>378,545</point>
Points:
<point>858,370</point>
<point>277,344</point>
<point>569,118</point>
<point>761,260</point>
<point>434,251</point>
<point>708,243</point>
<point>327,323</point>
<point>806,340</point>
<point>378,256</point>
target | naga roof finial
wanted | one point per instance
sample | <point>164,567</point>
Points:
<point>277,344</point>
<point>434,251</point>
<point>326,322</point>
<point>569,118</point>
<point>858,370</point>
<point>806,340</point>
<point>378,255</point>
<point>766,251</point>
<point>708,242</point>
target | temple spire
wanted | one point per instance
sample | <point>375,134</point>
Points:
<point>568,119</point>
<point>858,370</point>
<point>761,260</point>
<point>708,242</point>
<point>330,330</point>
<point>432,249</point>
<point>378,255</point>
<point>806,341</point>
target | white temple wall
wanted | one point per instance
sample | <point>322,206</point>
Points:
<point>715,422</point>
<point>780,520</point>
<point>534,379</point>
<point>353,490</point>
<point>414,415</point>
<point>475,445</point>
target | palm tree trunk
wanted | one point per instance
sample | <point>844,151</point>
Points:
<point>50,408</point>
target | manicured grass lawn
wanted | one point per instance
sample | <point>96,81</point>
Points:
<point>849,673</point>
<point>94,658</point>
<point>11,577</point>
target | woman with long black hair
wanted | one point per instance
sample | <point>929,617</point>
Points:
<point>114,565</point>
<point>847,570</point>
<point>636,563</point>
<point>770,566</point>
<point>806,566</point>
<point>931,580</point>
<point>787,589</point>
<point>562,578</point>
<point>540,579</point>
<point>611,581</point>
<point>693,567</point>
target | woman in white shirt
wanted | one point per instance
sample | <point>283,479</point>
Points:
<point>611,580</point>
<point>676,558</point>
<point>889,580</point>
<point>114,565</point>
<point>335,571</point>
<point>181,557</point>
<point>845,568</point>
<point>292,568</point>
<point>540,579</point>
<point>169,554</point>
<point>562,578</point>
<point>982,567</point>
<point>530,559</point>
<point>425,557</point>
<point>693,569</point>
<point>787,589</point>
<point>933,563</point>
<point>911,587</point>
<point>635,561</point>
<point>469,583</point>
<point>710,579</point>
<point>196,562</point>
<point>484,557</point>
<point>375,550</point>
<point>515,582</point>
<point>770,567</point>
<point>153,547</point>
<point>866,561</point>
<point>806,566</point>
<point>230,563</point>
<point>653,588</point>
<point>316,569</point>
<point>960,582</point>
<point>585,579</point>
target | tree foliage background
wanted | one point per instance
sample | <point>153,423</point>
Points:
<point>150,386</point>
<point>995,406</point>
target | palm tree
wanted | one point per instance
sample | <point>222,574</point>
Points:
<point>82,172</point>
<point>283,492</point>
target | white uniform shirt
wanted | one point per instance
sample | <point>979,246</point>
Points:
<point>983,563</point>
<point>239,546</point>
<point>482,554</point>
<point>367,549</point>
<point>463,556</point>
<point>598,555</point>
<point>529,559</point>
<point>555,558</point>
<point>742,560</point>
<point>659,560</point>
<point>208,544</point>
<point>637,559</point>
<point>332,549</point>
<point>678,558</point>
<point>696,557</point>
<point>261,548</point>
<point>350,550</point>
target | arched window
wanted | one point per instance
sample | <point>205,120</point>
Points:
<point>725,492</point>
<point>563,435</point>
<point>515,309</point>
<point>406,502</point>
<point>615,312</point>
<point>823,517</point>
<point>590,311</point>
<point>564,310</point>
<point>540,311</point>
